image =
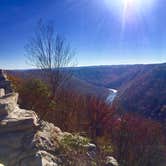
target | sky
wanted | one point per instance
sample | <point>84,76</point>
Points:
<point>102,32</point>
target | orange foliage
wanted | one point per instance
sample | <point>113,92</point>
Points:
<point>136,141</point>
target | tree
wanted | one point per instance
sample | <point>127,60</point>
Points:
<point>35,95</point>
<point>137,141</point>
<point>50,53</point>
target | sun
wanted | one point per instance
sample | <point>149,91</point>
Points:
<point>137,5</point>
<point>129,12</point>
<point>129,8</point>
<point>131,2</point>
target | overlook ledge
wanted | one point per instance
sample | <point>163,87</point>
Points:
<point>23,142</point>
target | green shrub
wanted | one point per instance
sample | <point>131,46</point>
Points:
<point>74,142</point>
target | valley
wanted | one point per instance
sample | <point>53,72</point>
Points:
<point>83,83</point>
<point>103,104</point>
<point>141,88</point>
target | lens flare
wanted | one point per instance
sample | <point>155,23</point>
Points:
<point>130,6</point>
<point>129,11</point>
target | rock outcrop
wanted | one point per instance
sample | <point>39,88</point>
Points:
<point>26,141</point>
<point>4,83</point>
<point>23,142</point>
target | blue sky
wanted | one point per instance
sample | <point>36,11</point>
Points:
<point>94,28</point>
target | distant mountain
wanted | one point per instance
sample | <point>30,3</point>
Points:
<point>146,93</point>
<point>85,88</point>
<point>141,88</point>
<point>73,84</point>
<point>109,76</point>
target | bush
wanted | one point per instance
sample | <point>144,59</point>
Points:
<point>74,150</point>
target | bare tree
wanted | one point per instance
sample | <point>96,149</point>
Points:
<point>50,53</point>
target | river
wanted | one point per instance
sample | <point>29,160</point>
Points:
<point>110,98</point>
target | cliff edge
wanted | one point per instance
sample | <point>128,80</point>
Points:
<point>27,141</point>
<point>23,142</point>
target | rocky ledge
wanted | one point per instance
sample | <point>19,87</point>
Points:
<point>23,142</point>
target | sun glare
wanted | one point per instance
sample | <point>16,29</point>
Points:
<point>139,4</point>
<point>128,11</point>
<point>131,2</point>
<point>134,5</point>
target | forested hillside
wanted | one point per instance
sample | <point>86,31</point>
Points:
<point>141,88</point>
<point>73,84</point>
<point>118,135</point>
<point>146,94</point>
<point>110,76</point>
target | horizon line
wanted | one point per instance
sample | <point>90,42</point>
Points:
<point>84,66</point>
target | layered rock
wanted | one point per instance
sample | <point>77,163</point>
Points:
<point>23,142</point>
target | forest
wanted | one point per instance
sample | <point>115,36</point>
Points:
<point>134,139</point>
